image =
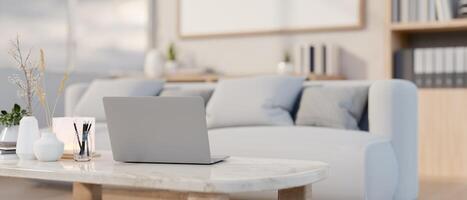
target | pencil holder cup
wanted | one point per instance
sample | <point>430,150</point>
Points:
<point>69,130</point>
<point>83,145</point>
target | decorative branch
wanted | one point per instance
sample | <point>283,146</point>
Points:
<point>33,81</point>
<point>26,85</point>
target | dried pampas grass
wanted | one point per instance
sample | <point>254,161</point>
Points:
<point>42,94</point>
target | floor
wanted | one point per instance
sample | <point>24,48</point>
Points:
<point>442,188</point>
<point>19,189</point>
<point>430,189</point>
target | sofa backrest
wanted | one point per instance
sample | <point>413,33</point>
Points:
<point>363,123</point>
<point>74,92</point>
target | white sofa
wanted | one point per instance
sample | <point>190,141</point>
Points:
<point>376,164</point>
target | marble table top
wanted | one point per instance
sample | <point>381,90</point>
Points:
<point>236,174</point>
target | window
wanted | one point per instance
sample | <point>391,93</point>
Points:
<point>40,24</point>
<point>110,34</point>
<point>93,35</point>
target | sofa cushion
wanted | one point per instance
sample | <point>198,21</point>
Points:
<point>332,106</point>
<point>91,105</point>
<point>263,100</point>
<point>183,92</point>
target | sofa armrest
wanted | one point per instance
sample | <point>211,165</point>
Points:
<point>393,112</point>
<point>73,94</point>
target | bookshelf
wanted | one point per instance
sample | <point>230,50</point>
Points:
<point>423,27</point>
<point>442,111</point>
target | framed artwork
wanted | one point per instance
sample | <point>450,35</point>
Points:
<point>207,18</point>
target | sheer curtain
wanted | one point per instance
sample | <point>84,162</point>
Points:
<point>92,35</point>
<point>40,24</point>
<point>108,35</point>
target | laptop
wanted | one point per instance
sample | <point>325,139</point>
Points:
<point>159,130</point>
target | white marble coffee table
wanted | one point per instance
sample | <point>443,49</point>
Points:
<point>291,178</point>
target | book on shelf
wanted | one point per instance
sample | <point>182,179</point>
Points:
<point>449,60</point>
<point>437,75</point>
<point>404,64</point>
<point>428,68</point>
<point>464,68</point>
<point>301,60</point>
<point>395,12</point>
<point>462,8</point>
<point>298,59</point>
<point>442,67</point>
<point>317,58</point>
<point>404,10</point>
<point>413,9</point>
<point>459,69</point>
<point>333,60</point>
<point>431,10</point>
<point>418,64</point>
<point>422,10</point>
<point>439,10</point>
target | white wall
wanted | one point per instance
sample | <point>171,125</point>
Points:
<point>362,57</point>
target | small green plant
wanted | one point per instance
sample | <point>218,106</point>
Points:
<point>171,52</point>
<point>12,118</point>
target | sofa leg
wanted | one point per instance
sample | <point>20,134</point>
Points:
<point>296,193</point>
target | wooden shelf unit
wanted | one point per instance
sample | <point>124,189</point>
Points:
<point>442,111</point>
<point>190,78</point>
<point>437,26</point>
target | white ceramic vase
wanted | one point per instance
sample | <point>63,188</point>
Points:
<point>154,64</point>
<point>48,148</point>
<point>285,68</point>
<point>171,67</point>
<point>28,133</point>
<point>9,134</point>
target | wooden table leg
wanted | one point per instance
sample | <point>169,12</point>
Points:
<point>297,193</point>
<point>207,196</point>
<point>117,193</point>
<point>84,191</point>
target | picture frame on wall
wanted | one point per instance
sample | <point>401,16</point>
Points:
<point>214,18</point>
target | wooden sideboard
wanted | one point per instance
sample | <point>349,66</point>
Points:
<point>215,77</point>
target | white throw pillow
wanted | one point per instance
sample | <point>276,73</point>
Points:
<point>91,105</point>
<point>264,100</point>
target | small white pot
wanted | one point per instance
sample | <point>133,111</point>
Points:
<point>48,148</point>
<point>171,67</point>
<point>285,68</point>
<point>154,64</point>
<point>9,134</point>
<point>28,133</point>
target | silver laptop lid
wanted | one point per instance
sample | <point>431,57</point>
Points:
<point>158,129</point>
